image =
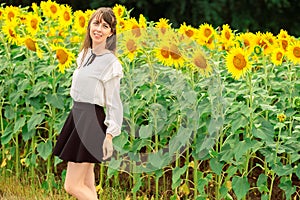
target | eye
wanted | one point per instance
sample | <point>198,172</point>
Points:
<point>96,22</point>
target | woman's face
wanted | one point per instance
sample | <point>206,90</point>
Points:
<point>99,31</point>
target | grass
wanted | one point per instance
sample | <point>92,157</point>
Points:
<point>12,188</point>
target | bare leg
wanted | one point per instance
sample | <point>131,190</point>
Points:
<point>90,179</point>
<point>75,181</point>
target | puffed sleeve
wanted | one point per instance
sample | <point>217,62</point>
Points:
<point>115,70</point>
<point>113,104</point>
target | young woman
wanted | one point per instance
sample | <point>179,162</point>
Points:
<point>86,137</point>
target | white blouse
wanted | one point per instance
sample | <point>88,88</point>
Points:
<point>99,83</point>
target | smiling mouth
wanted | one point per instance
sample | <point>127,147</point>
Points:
<point>97,34</point>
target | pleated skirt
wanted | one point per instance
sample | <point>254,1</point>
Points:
<point>82,135</point>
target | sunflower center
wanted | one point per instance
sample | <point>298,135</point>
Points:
<point>122,24</point>
<point>279,56</point>
<point>10,15</point>
<point>81,21</point>
<point>30,44</point>
<point>227,35</point>
<point>174,52</point>
<point>246,43</point>
<point>200,62</point>
<point>164,51</point>
<point>67,16</point>
<point>207,32</point>
<point>296,52</point>
<point>136,31</point>
<point>33,23</point>
<point>163,30</point>
<point>53,9</point>
<point>131,46</point>
<point>210,41</point>
<point>239,61</point>
<point>62,56</point>
<point>12,33</point>
<point>284,44</point>
<point>189,33</point>
<point>120,11</point>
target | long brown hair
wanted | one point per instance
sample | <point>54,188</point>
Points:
<point>109,17</point>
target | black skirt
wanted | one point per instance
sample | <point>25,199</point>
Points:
<point>82,135</point>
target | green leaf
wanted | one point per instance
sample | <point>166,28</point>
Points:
<point>38,88</point>
<point>44,149</point>
<point>9,112</point>
<point>282,170</point>
<point>242,147</point>
<point>240,186</point>
<point>7,135</point>
<point>19,124</point>
<point>55,100</point>
<point>158,159</point>
<point>216,166</point>
<point>27,134</point>
<point>264,130</point>
<point>287,186</point>
<point>145,131</point>
<point>137,183</point>
<point>120,141</point>
<point>34,120</point>
<point>262,183</point>
<point>297,171</point>
<point>113,167</point>
<point>238,122</point>
<point>176,174</point>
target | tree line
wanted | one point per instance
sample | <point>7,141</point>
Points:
<point>242,15</point>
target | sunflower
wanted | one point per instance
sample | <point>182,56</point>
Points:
<point>89,13</point>
<point>64,57</point>
<point>293,52</point>
<point>32,45</point>
<point>35,8</point>
<point>187,30</point>
<point>80,22</point>
<point>119,11</point>
<point>176,57</point>
<point>137,29</point>
<point>198,62</point>
<point>162,25</point>
<point>266,41</point>
<point>121,25</point>
<point>32,23</point>
<point>11,13</point>
<point>277,56</point>
<point>283,39</point>
<point>237,62</point>
<point>205,35</point>
<point>246,41</point>
<point>50,9</point>
<point>9,29</point>
<point>1,13</point>
<point>163,53</point>
<point>129,45</point>
<point>65,16</point>
<point>270,40</point>
<point>226,37</point>
<point>283,34</point>
<point>281,117</point>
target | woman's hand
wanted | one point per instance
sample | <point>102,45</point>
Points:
<point>107,146</point>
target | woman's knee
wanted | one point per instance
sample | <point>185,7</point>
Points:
<point>71,188</point>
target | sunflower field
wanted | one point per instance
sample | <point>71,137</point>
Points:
<point>209,112</point>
